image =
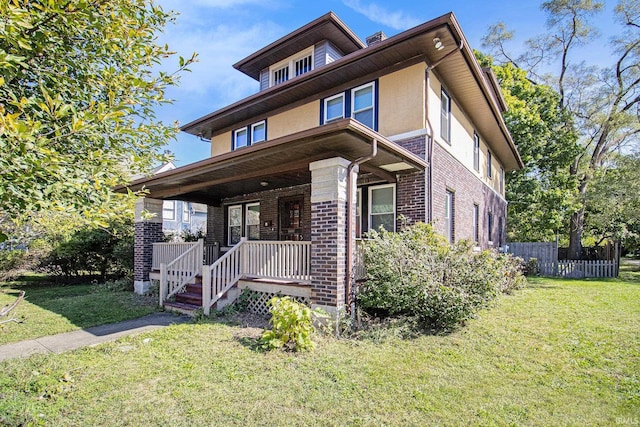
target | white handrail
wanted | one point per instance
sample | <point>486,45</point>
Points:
<point>256,258</point>
<point>175,275</point>
<point>221,276</point>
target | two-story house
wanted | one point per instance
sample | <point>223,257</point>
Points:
<point>342,137</point>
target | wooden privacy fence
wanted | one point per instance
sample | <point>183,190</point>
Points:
<point>546,254</point>
<point>579,269</point>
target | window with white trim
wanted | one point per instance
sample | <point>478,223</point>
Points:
<point>334,108</point>
<point>490,227</point>
<point>449,209</point>
<point>362,104</point>
<point>186,211</point>
<point>476,223</point>
<point>169,210</point>
<point>476,151</point>
<point>234,229</point>
<point>445,116</point>
<point>252,215</point>
<point>303,65</point>
<point>258,132</point>
<point>240,138</point>
<point>382,207</point>
<point>358,103</point>
<point>489,164</point>
<point>249,135</point>
<point>293,66</point>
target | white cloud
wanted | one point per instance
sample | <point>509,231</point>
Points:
<point>397,20</point>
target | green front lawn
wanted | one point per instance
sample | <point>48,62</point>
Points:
<point>561,352</point>
<point>52,309</point>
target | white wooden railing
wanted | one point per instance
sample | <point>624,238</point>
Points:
<point>167,252</point>
<point>221,276</point>
<point>264,259</point>
<point>175,275</point>
<point>283,260</point>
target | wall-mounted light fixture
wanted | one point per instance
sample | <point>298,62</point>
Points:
<point>437,43</point>
<point>264,183</point>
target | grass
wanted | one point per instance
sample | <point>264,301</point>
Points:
<point>52,309</point>
<point>560,352</point>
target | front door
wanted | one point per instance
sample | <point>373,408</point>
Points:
<point>290,213</point>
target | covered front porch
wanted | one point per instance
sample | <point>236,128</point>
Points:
<point>282,214</point>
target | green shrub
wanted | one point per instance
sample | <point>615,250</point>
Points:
<point>292,325</point>
<point>10,259</point>
<point>417,273</point>
<point>107,251</point>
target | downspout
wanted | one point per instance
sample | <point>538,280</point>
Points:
<point>349,288</point>
<point>430,127</point>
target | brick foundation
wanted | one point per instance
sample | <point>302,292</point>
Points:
<point>328,232</point>
<point>147,231</point>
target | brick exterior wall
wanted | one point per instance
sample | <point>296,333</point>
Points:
<point>269,212</point>
<point>468,189</point>
<point>411,194</point>
<point>146,234</point>
<point>328,252</point>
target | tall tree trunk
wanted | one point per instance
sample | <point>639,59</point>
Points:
<point>575,234</point>
<point>576,226</point>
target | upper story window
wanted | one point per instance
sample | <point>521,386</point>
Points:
<point>501,180</point>
<point>240,138</point>
<point>362,104</point>
<point>445,116</point>
<point>476,152</point>
<point>358,103</point>
<point>280,75</point>
<point>258,132</point>
<point>489,164</point>
<point>334,108</point>
<point>291,67</point>
<point>249,135</point>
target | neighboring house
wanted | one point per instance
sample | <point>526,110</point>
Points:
<point>178,215</point>
<point>343,137</point>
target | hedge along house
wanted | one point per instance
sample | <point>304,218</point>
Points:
<point>343,137</point>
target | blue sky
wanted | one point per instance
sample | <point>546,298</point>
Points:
<point>225,31</point>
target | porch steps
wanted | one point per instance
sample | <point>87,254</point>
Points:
<point>189,301</point>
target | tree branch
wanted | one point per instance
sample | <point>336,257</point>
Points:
<point>7,308</point>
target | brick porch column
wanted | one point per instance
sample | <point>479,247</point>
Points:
<point>328,232</point>
<point>148,230</point>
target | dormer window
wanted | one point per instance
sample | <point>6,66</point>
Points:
<point>291,67</point>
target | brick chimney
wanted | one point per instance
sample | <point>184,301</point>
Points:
<point>376,38</point>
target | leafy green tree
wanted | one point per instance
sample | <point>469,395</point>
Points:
<point>543,194</point>
<point>79,82</point>
<point>603,104</point>
<point>613,201</point>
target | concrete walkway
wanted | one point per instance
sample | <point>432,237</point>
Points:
<point>90,336</point>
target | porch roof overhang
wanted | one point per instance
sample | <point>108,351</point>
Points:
<point>278,163</point>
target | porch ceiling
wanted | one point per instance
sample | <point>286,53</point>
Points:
<point>282,162</point>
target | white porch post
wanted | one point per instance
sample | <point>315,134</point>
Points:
<point>148,230</point>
